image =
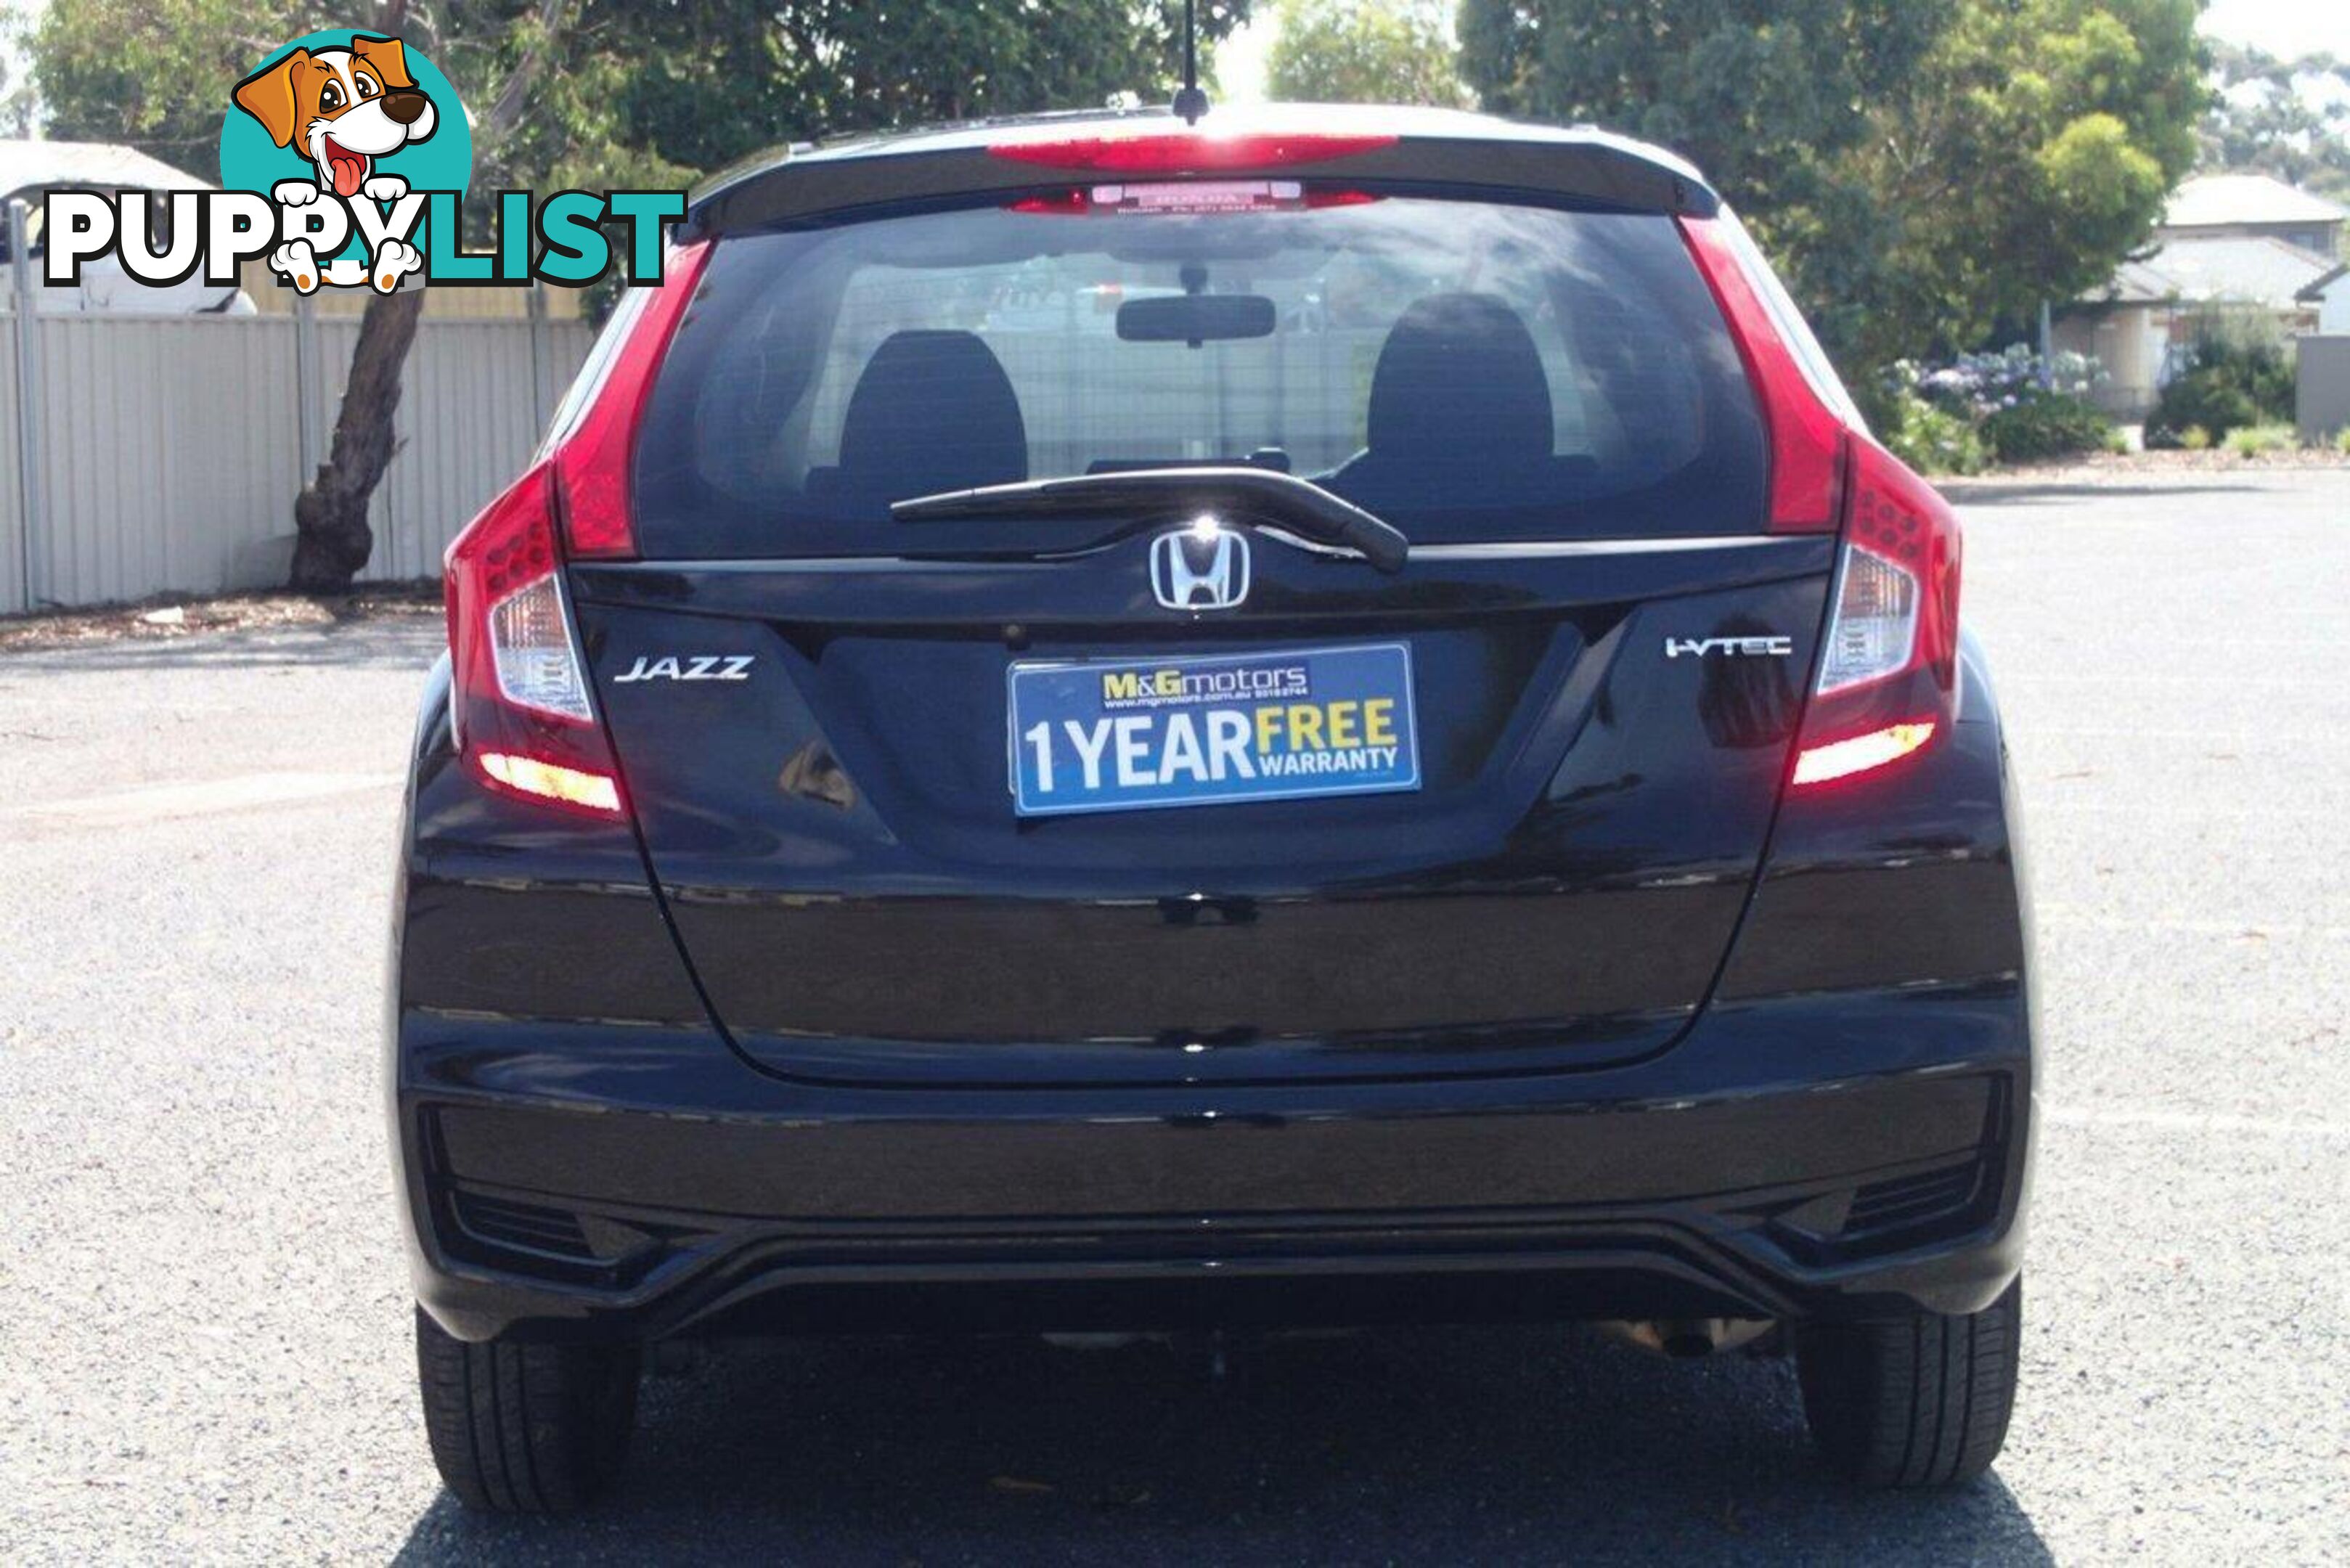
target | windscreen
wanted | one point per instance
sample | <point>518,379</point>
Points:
<point>1469,370</point>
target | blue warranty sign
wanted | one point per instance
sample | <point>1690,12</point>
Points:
<point>1131,734</point>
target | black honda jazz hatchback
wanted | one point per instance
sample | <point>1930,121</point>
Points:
<point>1309,719</point>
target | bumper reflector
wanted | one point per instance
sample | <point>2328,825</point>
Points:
<point>1842,759</point>
<point>552,781</point>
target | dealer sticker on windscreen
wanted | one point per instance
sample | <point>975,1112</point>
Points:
<point>1097,735</point>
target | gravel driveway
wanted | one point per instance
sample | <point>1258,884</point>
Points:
<point>203,1350</point>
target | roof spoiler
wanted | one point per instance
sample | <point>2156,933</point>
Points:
<point>1577,165</point>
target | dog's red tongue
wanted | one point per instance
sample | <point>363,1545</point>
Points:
<point>349,168</point>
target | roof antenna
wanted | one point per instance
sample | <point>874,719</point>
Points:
<point>1191,102</point>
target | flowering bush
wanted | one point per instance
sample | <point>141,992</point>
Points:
<point>2015,405</point>
<point>1928,437</point>
<point>1980,384</point>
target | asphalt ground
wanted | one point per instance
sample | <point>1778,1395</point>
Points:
<point>203,1319</point>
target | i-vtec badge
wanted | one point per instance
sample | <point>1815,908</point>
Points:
<point>707,667</point>
<point>1730,646</point>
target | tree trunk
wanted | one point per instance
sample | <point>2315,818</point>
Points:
<point>332,539</point>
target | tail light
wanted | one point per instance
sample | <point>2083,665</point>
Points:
<point>1888,674</point>
<point>1806,426</point>
<point>521,703</point>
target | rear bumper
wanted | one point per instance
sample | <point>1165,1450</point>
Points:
<point>1827,1156</point>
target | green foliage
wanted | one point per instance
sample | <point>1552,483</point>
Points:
<point>2237,375</point>
<point>2194,438</point>
<point>1365,51</point>
<point>156,73</point>
<point>2341,440</point>
<point>2286,117</point>
<point>711,82</point>
<point>621,93</point>
<point>2043,425</point>
<point>1925,170</point>
<point>1928,437</point>
<point>2259,440</point>
<point>2203,401</point>
<point>15,92</point>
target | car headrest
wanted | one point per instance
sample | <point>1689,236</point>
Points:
<point>933,410</point>
<point>1460,385</point>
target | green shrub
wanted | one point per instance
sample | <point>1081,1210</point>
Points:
<point>2195,438</point>
<point>2341,440</point>
<point>2202,399</point>
<point>1930,439</point>
<point>2043,424</point>
<point>2238,374</point>
<point>2257,441</point>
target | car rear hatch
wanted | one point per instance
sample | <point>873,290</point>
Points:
<point>1165,775</point>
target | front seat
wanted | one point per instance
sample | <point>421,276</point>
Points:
<point>1460,410</point>
<point>933,410</point>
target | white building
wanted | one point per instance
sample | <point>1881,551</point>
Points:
<point>2241,240</point>
<point>2331,295</point>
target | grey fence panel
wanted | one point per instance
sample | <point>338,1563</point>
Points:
<point>15,592</point>
<point>171,446</point>
<point>469,414</point>
<point>2323,391</point>
<point>168,442</point>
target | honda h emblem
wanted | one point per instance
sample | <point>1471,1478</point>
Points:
<point>1200,567</point>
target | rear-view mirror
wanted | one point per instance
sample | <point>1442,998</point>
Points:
<point>1195,317</point>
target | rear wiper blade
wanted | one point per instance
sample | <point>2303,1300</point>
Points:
<point>1247,494</point>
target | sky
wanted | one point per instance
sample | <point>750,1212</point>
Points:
<point>2282,27</point>
<point>1240,58</point>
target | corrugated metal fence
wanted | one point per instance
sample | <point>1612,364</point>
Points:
<point>170,447</point>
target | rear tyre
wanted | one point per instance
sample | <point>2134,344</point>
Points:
<point>1920,1402</point>
<point>525,1428</point>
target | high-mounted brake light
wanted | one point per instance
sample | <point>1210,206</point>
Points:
<point>1189,151</point>
<point>1190,197</point>
<point>519,701</point>
<point>1807,436</point>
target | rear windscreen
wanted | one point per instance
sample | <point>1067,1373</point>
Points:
<point>1468,371</point>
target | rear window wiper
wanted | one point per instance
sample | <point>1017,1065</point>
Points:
<point>1250,494</point>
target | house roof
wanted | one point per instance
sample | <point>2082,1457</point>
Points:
<point>2239,269</point>
<point>2213,201</point>
<point>32,165</point>
<point>2317,289</point>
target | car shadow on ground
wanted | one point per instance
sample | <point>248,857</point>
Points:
<point>2032,492</point>
<point>1484,1445</point>
<point>402,642</point>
